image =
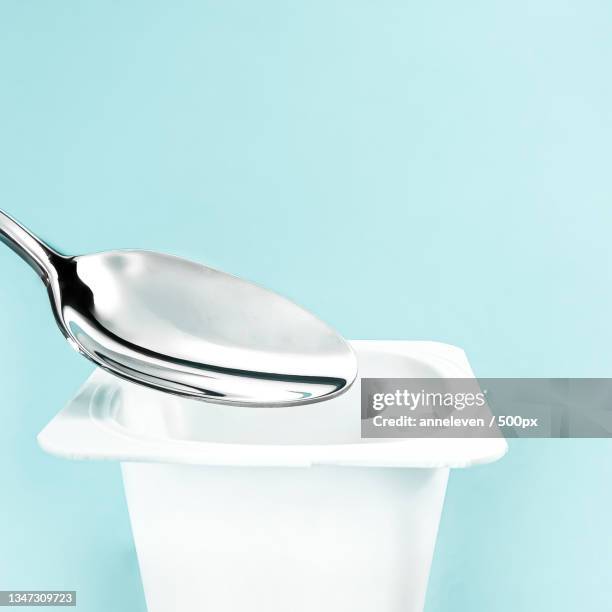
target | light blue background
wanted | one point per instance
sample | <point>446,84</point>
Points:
<point>406,170</point>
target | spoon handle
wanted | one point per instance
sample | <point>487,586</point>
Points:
<point>31,249</point>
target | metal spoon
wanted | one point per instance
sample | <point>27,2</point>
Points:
<point>184,328</point>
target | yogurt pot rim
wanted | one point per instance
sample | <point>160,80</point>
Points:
<point>113,419</point>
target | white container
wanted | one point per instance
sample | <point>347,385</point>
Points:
<point>274,509</point>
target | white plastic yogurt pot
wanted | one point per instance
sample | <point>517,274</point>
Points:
<point>275,509</point>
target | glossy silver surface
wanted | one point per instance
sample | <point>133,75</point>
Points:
<point>184,328</point>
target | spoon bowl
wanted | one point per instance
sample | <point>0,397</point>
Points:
<point>182,327</point>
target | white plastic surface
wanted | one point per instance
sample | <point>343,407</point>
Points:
<point>320,539</point>
<point>274,509</point>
